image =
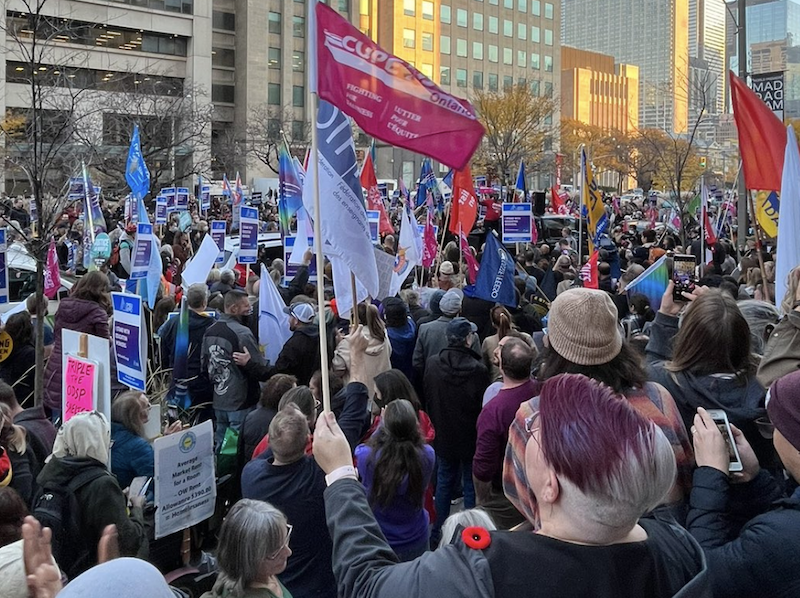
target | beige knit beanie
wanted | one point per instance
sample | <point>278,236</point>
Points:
<point>582,327</point>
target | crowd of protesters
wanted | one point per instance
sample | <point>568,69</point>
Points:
<point>569,434</point>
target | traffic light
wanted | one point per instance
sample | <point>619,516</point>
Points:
<point>702,162</point>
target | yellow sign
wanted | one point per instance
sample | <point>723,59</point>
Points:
<point>6,345</point>
<point>767,208</point>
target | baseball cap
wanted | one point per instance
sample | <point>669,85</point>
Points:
<point>459,329</point>
<point>302,311</point>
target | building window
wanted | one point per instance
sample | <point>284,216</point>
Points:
<point>508,82</point>
<point>409,8</point>
<point>223,57</point>
<point>299,26</point>
<point>461,17</point>
<point>522,81</point>
<point>492,81</point>
<point>548,37</point>
<point>427,10</point>
<point>223,20</point>
<point>409,38</point>
<point>548,63</point>
<point>535,64</point>
<point>274,58</point>
<point>493,24</point>
<point>535,32</point>
<point>536,8</point>
<point>477,50</point>
<point>222,93</point>
<point>548,10</point>
<point>444,14</point>
<point>298,61</point>
<point>299,130</point>
<point>508,4</point>
<point>522,5</point>
<point>522,31</point>
<point>444,44</point>
<point>461,48</point>
<point>508,56</point>
<point>477,21</point>
<point>477,80</point>
<point>548,89</point>
<point>493,2</point>
<point>522,58</point>
<point>427,70</point>
<point>461,77</point>
<point>493,54</point>
<point>298,96</point>
<point>427,42</point>
<point>344,6</point>
<point>275,22</point>
<point>274,94</point>
<point>444,75</point>
<point>508,28</point>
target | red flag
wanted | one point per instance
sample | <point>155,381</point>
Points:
<point>388,98</point>
<point>762,138</point>
<point>52,276</point>
<point>374,199</point>
<point>429,242</point>
<point>464,208</point>
<point>555,201</point>
<point>711,237</point>
<point>588,274</point>
<point>469,259</point>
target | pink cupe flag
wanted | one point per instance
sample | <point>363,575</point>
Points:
<point>52,276</point>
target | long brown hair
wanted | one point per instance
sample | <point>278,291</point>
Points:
<point>501,320</point>
<point>369,315</point>
<point>93,286</point>
<point>714,338</point>
<point>622,373</point>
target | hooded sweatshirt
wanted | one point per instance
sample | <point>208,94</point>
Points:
<point>199,385</point>
<point>80,315</point>
<point>377,358</point>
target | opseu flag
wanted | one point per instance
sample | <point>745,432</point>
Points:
<point>388,98</point>
<point>495,281</point>
<point>273,324</point>
<point>652,283</point>
<point>762,138</point>
<point>789,222</point>
<point>290,190</point>
<point>52,276</point>
<point>464,208</point>
<point>408,254</point>
<point>593,203</point>
<point>374,198</point>
<point>345,230</point>
<point>136,173</point>
<point>767,208</point>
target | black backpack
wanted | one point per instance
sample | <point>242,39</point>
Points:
<point>57,507</point>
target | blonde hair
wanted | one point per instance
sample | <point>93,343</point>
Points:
<point>13,436</point>
<point>792,282</point>
<point>125,410</point>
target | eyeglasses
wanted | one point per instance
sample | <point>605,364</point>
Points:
<point>284,545</point>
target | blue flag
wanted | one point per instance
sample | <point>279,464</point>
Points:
<point>136,172</point>
<point>428,184</point>
<point>521,184</point>
<point>495,280</point>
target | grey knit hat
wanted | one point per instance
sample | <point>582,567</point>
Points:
<point>582,327</point>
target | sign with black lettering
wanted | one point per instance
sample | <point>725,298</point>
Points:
<point>769,87</point>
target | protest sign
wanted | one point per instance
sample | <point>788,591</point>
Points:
<point>196,271</point>
<point>169,194</point>
<point>374,220</point>
<point>6,344</point>
<point>3,268</point>
<point>205,197</point>
<point>182,199</point>
<point>291,269</point>
<point>161,210</point>
<point>517,222</point>
<point>218,234</point>
<point>185,485</point>
<point>421,229</point>
<point>130,344</point>
<point>248,235</point>
<point>99,352</point>
<point>143,250</point>
<point>185,221</point>
<point>80,386</point>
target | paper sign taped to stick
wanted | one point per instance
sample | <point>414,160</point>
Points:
<point>130,343</point>
<point>80,386</point>
<point>185,484</point>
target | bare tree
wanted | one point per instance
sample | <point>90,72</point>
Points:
<point>518,127</point>
<point>267,125</point>
<point>39,138</point>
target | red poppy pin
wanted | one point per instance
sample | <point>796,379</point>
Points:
<point>477,538</point>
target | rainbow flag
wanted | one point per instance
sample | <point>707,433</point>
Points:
<point>652,283</point>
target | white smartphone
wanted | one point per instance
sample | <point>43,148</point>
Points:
<point>723,425</point>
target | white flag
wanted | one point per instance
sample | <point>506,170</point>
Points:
<point>273,324</point>
<point>408,254</point>
<point>789,219</point>
<point>304,231</point>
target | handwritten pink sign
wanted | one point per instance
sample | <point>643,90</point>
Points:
<point>80,386</point>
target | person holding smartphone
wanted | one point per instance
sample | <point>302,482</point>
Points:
<point>760,558</point>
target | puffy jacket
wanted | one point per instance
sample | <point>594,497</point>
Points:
<point>131,455</point>
<point>79,315</point>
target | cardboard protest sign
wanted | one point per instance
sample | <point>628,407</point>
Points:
<point>80,386</point>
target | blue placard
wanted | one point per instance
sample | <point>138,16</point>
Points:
<point>517,222</point>
<point>248,235</point>
<point>161,210</point>
<point>374,221</point>
<point>182,199</point>
<point>130,349</point>
<point>169,194</point>
<point>142,253</point>
<point>218,234</point>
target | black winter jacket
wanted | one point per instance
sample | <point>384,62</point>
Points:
<point>299,357</point>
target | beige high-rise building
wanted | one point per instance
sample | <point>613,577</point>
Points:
<point>597,92</point>
<point>652,35</point>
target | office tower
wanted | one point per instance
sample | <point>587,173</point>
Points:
<point>707,62</point>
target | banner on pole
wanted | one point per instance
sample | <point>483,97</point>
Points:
<point>248,235</point>
<point>218,234</point>
<point>185,486</point>
<point>130,344</point>
<point>517,222</point>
